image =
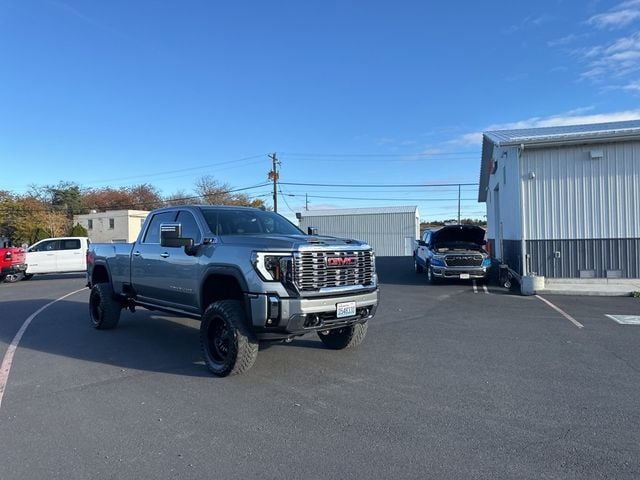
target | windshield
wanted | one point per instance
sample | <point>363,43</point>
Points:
<point>248,222</point>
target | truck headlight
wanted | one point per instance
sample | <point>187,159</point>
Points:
<point>273,267</point>
<point>437,260</point>
<point>486,262</point>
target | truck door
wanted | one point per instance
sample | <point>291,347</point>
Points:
<point>148,265</point>
<point>42,257</point>
<point>182,279</point>
<point>422,252</point>
<point>71,257</point>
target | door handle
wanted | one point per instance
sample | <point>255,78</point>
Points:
<point>136,253</point>
<point>164,255</point>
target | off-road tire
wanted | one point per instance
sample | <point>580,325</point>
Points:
<point>431,278</point>
<point>13,277</point>
<point>417,267</point>
<point>344,337</point>
<point>228,347</point>
<point>104,307</point>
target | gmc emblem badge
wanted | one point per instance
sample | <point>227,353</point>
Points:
<point>340,261</point>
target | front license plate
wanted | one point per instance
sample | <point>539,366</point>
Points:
<point>346,309</point>
<point>464,276</point>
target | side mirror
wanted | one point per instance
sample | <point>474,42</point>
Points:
<point>312,231</point>
<point>171,236</point>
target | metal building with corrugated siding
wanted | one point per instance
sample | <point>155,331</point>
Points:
<point>389,230</point>
<point>564,202</point>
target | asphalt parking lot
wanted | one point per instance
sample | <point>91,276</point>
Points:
<point>451,382</point>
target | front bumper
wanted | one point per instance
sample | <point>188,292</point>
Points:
<point>274,317</point>
<point>456,272</point>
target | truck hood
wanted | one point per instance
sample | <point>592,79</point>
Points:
<point>290,242</point>
<point>460,234</point>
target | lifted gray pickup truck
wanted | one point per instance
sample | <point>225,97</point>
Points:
<point>247,274</point>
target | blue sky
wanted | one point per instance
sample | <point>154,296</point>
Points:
<point>116,93</point>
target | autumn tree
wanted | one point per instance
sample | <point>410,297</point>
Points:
<point>213,192</point>
<point>137,197</point>
<point>181,197</point>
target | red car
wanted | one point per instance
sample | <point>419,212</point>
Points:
<point>12,262</point>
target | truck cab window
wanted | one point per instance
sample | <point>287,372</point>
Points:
<point>190,227</point>
<point>153,231</point>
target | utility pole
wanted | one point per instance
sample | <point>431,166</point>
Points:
<point>273,175</point>
<point>306,201</point>
<point>459,192</point>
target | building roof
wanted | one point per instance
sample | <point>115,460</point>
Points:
<point>565,134</point>
<point>107,213</point>
<point>551,137</point>
<point>357,211</point>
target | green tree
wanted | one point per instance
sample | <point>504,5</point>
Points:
<point>78,231</point>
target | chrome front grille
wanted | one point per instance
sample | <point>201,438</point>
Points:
<point>313,270</point>
<point>469,260</point>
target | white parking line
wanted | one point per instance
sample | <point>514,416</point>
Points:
<point>7,361</point>
<point>486,290</point>
<point>561,312</point>
<point>475,287</point>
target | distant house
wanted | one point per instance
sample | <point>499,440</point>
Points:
<point>564,202</point>
<point>389,230</point>
<point>115,226</point>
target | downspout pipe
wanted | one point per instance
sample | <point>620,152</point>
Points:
<point>523,215</point>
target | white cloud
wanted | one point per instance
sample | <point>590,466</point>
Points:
<point>569,118</point>
<point>616,59</point>
<point>619,16</point>
<point>573,117</point>
<point>473,138</point>
<point>561,42</point>
<point>633,86</point>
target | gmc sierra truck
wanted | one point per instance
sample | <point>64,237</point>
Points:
<point>249,275</point>
<point>454,251</point>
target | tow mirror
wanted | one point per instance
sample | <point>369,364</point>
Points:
<point>171,236</point>
<point>312,231</point>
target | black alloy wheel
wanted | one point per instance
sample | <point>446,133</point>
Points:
<point>104,308</point>
<point>228,347</point>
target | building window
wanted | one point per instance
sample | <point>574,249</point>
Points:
<point>112,224</point>
<point>90,224</point>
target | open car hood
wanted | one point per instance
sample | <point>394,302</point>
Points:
<point>458,233</point>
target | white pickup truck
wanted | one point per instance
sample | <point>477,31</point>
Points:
<point>57,255</point>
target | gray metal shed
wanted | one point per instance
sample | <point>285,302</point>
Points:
<point>564,202</point>
<point>389,230</point>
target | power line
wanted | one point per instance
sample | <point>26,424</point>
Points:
<point>284,198</point>
<point>177,170</point>
<point>426,185</point>
<point>389,199</point>
<point>390,155</point>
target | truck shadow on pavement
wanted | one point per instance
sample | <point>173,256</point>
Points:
<point>398,271</point>
<point>142,341</point>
